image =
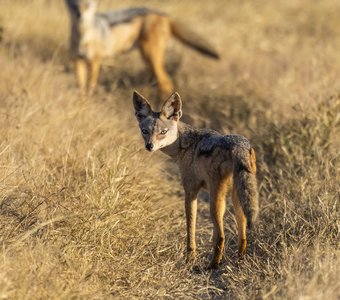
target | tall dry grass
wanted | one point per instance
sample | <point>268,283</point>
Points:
<point>86,213</point>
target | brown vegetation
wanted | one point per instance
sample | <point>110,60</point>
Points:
<point>86,212</point>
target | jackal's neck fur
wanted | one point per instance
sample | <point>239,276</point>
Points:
<point>185,134</point>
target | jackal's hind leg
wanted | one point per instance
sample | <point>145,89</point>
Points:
<point>241,224</point>
<point>218,191</point>
<point>153,45</point>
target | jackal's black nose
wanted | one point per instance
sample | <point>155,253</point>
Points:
<point>149,146</point>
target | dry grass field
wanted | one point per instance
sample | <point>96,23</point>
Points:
<point>87,213</point>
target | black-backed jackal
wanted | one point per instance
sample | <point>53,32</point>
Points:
<point>95,36</point>
<point>221,163</point>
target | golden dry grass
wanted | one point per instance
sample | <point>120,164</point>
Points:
<point>86,213</point>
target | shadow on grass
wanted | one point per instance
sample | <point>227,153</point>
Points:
<point>123,77</point>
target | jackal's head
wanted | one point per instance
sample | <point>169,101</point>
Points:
<point>159,129</point>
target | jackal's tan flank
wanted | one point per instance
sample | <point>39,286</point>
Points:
<point>206,159</point>
<point>95,36</point>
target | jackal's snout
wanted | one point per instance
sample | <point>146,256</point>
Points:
<point>149,146</point>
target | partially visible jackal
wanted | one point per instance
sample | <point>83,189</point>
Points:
<point>206,159</point>
<point>95,36</point>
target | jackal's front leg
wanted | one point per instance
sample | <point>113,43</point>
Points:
<point>94,74</point>
<point>81,68</point>
<point>190,213</point>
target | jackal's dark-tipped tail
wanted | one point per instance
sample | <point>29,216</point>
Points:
<point>246,184</point>
<point>193,39</point>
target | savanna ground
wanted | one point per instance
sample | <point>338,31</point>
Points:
<point>87,213</point>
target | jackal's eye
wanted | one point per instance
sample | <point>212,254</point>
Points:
<point>144,131</point>
<point>164,131</point>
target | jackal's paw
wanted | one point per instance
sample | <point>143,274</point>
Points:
<point>213,265</point>
<point>91,92</point>
<point>242,249</point>
<point>191,257</point>
<point>83,94</point>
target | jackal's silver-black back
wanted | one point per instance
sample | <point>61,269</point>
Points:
<point>125,15</point>
<point>116,16</point>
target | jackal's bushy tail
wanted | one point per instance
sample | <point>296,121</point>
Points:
<point>246,184</point>
<point>192,39</point>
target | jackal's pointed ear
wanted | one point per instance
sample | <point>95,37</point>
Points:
<point>172,108</point>
<point>142,106</point>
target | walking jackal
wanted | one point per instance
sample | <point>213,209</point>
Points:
<point>95,36</point>
<point>206,159</point>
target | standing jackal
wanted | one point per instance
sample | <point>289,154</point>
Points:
<point>95,36</point>
<point>206,159</point>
